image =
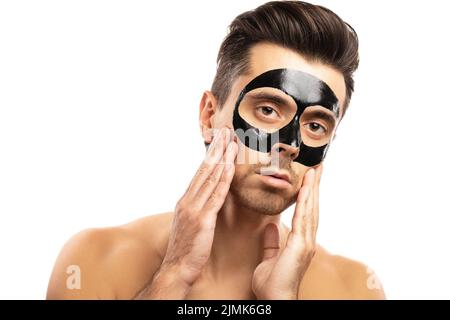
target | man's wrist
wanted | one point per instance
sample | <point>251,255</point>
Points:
<point>166,284</point>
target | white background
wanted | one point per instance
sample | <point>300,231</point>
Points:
<point>98,127</point>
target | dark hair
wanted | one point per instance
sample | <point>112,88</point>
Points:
<point>314,31</point>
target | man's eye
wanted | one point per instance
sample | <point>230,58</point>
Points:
<point>268,112</point>
<point>316,128</point>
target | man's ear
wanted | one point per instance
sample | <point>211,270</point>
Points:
<point>207,111</point>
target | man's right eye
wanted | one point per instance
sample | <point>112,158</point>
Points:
<point>268,112</point>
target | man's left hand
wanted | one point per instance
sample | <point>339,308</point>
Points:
<point>280,272</point>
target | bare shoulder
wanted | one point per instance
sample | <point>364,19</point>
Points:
<point>336,277</point>
<point>110,263</point>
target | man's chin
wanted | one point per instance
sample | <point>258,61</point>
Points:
<point>264,201</point>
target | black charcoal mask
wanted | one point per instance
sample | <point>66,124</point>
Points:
<point>260,125</point>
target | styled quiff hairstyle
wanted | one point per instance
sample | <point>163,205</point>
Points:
<point>311,30</point>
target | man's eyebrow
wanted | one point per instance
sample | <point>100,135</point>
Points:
<point>321,115</point>
<point>269,96</point>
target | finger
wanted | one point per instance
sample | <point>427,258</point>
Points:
<point>217,138</point>
<point>300,212</point>
<point>211,182</point>
<point>271,241</point>
<point>310,225</point>
<point>212,158</point>
<point>216,199</point>
<point>319,170</point>
<point>216,153</point>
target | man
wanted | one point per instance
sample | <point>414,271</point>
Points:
<point>284,77</point>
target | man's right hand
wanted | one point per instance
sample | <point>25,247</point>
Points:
<point>194,222</point>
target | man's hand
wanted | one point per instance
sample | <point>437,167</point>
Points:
<point>279,274</point>
<point>194,222</point>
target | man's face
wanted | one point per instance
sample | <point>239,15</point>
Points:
<point>254,185</point>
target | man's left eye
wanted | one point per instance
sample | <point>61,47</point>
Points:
<point>316,128</point>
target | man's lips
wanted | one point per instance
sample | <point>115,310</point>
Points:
<point>277,173</point>
<point>275,177</point>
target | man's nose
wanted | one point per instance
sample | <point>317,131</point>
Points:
<point>285,150</point>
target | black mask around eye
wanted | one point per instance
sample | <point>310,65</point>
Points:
<point>305,90</point>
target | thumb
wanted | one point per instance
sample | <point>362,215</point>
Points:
<point>271,241</point>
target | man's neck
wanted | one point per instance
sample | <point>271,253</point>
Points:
<point>238,239</point>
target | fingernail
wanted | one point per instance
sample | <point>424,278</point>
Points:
<point>228,134</point>
<point>231,134</point>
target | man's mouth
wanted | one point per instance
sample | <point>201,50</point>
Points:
<point>275,177</point>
